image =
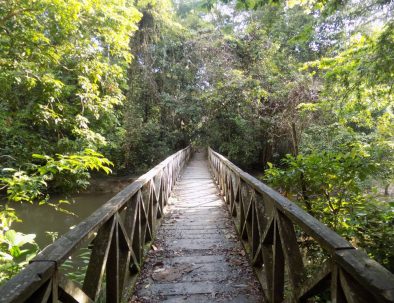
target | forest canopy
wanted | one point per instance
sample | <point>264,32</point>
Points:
<point>299,92</point>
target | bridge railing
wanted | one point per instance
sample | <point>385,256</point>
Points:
<point>118,233</point>
<point>274,231</point>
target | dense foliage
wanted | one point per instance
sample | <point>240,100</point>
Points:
<point>62,76</point>
<point>300,89</point>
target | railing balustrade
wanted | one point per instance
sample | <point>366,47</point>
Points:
<point>274,230</point>
<point>118,233</point>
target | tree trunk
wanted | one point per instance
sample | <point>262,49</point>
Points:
<point>304,193</point>
<point>386,189</point>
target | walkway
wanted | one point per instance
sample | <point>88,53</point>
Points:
<point>197,256</point>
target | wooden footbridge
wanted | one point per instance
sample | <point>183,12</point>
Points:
<point>180,218</point>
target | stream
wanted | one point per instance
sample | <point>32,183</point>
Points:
<point>42,219</point>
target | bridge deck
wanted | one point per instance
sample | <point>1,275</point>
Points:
<point>197,256</point>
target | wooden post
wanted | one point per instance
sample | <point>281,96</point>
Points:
<point>337,295</point>
<point>278,273</point>
<point>98,260</point>
<point>295,266</point>
<point>112,270</point>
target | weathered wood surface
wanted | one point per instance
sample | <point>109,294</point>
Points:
<point>117,232</point>
<point>197,256</point>
<point>276,231</point>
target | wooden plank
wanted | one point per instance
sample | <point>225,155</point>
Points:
<point>295,266</point>
<point>248,223</point>
<point>160,203</point>
<point>153,209</point>
<point>267,241</point>
<point>337,295</point>
<point>267,267</point>
<point>125,254</point>
<point>143,227</point>
<point>268,235</point>
<point>256,240</point>
<point>246,231</point>
<point>112,268</point>
<point>98,259</point>
<point>278,271</point>
<point>233,209</point>
<point>148,208</point>
<point>354,293</point>
<point>42,295</point>
<point>136,236</point>
<point>368,273</point>
<point>54,297</point>
<point>316,284</point>
<point>70,292</point>
<point>242,214</point>
<point>21,287</point>
<point>129,227</point>
<point>123,233</point>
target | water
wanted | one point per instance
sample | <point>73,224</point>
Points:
<point>42,219</point>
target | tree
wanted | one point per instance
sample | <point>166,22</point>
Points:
<point>162,110</point>
<point>62,79</point>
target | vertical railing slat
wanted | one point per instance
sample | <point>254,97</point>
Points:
<point>112,269</point>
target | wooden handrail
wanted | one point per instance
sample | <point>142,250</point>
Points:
<point>117,232</point>
<point>273,230</point>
